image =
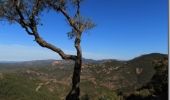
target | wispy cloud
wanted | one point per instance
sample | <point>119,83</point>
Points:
<point>21,53</point>
<point>15,52</point>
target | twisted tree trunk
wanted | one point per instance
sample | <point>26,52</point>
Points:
<point>75,91</point>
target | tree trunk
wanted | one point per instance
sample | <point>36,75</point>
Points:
<point>75,91</point>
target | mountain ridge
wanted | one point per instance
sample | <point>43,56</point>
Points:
<point>85,59</point>
<point>101,78</point>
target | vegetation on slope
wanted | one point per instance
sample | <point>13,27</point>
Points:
<point>100,80</point>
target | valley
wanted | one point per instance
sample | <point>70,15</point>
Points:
<point>51,79</point>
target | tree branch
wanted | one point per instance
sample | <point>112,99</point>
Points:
<point>78,8</point>
<point>43,43</point>
<point>35,8</point>
<point>70,20</point>
<point>38,39</point>
<point>22,21</point>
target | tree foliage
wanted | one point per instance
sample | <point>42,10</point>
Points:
<point>27,12</point>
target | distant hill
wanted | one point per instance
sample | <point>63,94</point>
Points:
<point>100,77</point>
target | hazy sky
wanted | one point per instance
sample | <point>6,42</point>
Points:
<point>125,29</point>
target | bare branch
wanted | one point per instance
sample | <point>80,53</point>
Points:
<point>78,8</point>
<point>38,39</point>
<point>66,15</point>
<point>70,20</point>
<point>35,8</point>
<point>22,21</point>
<point>43,43</point>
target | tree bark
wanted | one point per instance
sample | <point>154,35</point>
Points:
<point>75,91</point>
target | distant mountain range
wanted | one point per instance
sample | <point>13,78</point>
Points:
<point>85,61</point>
<point>108,74</point>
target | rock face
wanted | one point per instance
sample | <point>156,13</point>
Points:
<point>39,86</point>
<point>55,63</point>
<point>35,73</point>
<point>139,71</point>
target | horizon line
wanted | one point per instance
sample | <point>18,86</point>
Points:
<point>87,58</point>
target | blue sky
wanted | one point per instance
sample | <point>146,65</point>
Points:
<point>125,29</point>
